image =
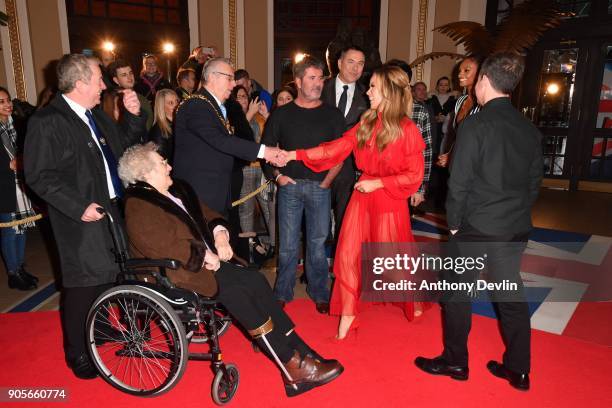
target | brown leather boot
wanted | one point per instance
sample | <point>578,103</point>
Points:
<point>306,373</point>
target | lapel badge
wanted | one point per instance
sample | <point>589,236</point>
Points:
<point>103,141</point>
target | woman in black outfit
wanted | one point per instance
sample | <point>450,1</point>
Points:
<point>443,103</point>
<point>166,102</point>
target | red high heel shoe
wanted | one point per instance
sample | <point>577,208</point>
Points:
<point>351,333</point>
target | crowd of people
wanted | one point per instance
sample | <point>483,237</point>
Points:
<point>341,160</point>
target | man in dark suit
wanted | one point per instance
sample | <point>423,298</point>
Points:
<point>71,153</point>
<point>205,145</point>
<point>346,93</point>
<point>495,179</point>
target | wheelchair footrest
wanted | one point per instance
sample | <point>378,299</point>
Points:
<point>205,356</point>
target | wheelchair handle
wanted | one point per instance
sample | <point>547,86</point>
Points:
<point>102,211</point>
<point>121,252</point>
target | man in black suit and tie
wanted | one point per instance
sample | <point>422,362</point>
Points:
<point>348,95</point>
<point>495,179</point>
<point>205,145</point>
<point>71,153</point>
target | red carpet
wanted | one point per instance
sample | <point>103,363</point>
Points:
<point>379,369</point>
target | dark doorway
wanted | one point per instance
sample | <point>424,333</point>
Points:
<point>308,26</point>
<point>567,93</point>
<point>135,27</point>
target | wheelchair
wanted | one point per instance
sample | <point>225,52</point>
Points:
<point>138,332</point>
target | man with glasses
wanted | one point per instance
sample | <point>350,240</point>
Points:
<point>205,145</point>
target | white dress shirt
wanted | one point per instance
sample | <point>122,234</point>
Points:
<point>349,94</point>
<point>80,111</point>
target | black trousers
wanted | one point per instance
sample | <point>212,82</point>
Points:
<point>76,302</point>
<point>502,264</point>
<point>248,297</point>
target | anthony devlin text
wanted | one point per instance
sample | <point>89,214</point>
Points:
<point>443,285</point>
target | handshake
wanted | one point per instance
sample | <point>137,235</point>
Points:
<point>278,157</point>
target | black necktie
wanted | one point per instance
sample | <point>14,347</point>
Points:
<point>342,101</point>
<point>108,155</point>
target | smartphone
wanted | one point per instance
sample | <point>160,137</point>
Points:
<point>255,95</point>
<point>208,51</point>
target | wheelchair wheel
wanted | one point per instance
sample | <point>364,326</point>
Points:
<point>137,341</point>
<point>225,384</point>
<point>222,321</point>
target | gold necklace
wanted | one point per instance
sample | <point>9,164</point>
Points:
<point>224,121</point>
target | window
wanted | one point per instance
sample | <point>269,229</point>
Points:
<point>554,155</point>
<point>557,87</point>
<point>580,8</point>
<point>148,11</point>
<point>604,112</point>
<point>601,153</point>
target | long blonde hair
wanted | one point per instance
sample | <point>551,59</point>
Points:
<point>396,105</point>
<point>160,112</point>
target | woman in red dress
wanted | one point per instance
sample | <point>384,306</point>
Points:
<point>388,149</point>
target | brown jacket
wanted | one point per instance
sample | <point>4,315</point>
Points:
<point>159,228</point>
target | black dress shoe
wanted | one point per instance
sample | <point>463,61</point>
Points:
<point>323,307</point>
<point>83,368</point>
<point>28,275</point>
<point>20,281</point>
<point>517,380</point>
<point>439,366</point>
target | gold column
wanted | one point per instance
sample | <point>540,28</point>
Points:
<point>13,28</point>
<point>421,35</point>
<point>232,32</point>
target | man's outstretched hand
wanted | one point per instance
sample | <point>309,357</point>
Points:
<point>276,156</point>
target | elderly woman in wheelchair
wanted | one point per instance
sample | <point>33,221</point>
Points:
<point>165,219</point>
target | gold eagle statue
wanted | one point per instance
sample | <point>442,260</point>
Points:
<point>519,30</point>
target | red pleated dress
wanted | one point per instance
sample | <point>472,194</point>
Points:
<point>379,216</point>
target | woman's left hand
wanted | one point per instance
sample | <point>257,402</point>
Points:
<point>263,110</point>
<point>253,108</point>
<point>367,186</point>
<point>222,245</point>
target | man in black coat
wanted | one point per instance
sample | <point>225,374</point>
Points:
<point>205,144</point>
<point>346,93</point>
<point>495,179</point>
<point>71,153</point>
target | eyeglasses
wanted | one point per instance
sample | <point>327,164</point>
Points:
<point>229,77</point>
